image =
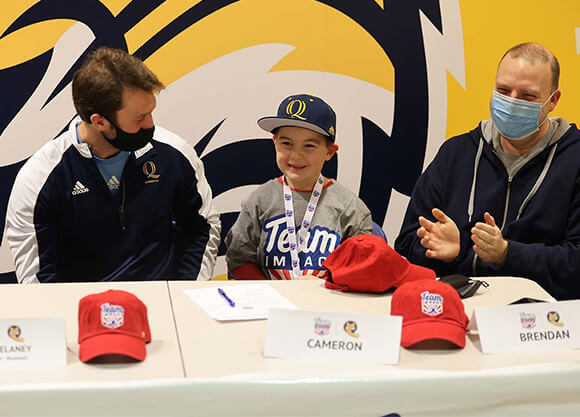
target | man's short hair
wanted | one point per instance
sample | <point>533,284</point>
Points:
<point>535,53</point>
<point>98,85</point>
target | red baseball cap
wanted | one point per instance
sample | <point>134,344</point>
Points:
<point>113,322</point>
<point>366,263</point>
<point>431,309</point>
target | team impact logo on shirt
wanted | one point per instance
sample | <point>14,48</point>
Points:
<point>319,242</point>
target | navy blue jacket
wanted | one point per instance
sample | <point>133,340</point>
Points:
<point>65,225</point>
<point>543,243</point>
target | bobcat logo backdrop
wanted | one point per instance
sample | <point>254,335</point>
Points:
<point>383,66</point>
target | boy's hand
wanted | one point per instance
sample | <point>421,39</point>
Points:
<point>441,239</point>
<point>308,277</point>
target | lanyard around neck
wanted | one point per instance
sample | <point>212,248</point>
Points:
<point>294,243</point>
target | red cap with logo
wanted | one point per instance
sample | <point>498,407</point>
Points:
<point>431,310</point>
<point>113,322</point>
<point>366,263</point>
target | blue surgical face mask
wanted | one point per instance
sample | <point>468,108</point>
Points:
<point>514,118</point>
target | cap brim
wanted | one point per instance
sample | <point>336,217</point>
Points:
<point>416,332</point>
<point>112,344</point>
<point>271,123</point>
<point>417,273</point>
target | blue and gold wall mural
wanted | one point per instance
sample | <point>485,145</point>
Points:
<point>402,76</point>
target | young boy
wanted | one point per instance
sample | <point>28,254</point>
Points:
<point>289,225</point>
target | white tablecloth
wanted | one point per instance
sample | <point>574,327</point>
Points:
<point>224,372</point>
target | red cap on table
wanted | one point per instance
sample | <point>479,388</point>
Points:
<point>113,322</point>
<point>431,310</point>
<point>366,263</point>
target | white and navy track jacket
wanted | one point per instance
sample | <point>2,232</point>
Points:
<point>64,225</point>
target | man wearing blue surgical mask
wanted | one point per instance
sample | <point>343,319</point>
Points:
<point>504,199</point>
<point>113,197</point>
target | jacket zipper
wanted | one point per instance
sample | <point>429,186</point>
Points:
<point>122,205</point>
<point>507,202</point>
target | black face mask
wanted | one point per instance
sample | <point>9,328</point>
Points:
<point>130,142</point>
<point>465,286</point>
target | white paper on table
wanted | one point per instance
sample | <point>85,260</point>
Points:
<point>252,301</point>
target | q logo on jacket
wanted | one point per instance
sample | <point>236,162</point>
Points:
<point>150,171</point>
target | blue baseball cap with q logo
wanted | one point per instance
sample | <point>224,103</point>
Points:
<point>303,110</point>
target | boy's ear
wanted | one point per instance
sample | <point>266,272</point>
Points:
<point>332,149</point>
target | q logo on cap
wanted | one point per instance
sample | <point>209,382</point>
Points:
<point>297,113</point>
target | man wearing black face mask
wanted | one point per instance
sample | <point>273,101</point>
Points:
<point>504,199</point>
<point>114,197</point>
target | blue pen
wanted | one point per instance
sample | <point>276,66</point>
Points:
<point>228,299</point>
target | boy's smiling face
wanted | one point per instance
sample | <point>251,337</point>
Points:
<point>300,155</point>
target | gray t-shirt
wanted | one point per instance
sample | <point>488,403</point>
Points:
<point>259,235</point>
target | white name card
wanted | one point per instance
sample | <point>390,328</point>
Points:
<point>529,327</point>
<point>333,336</point>
<point>32,342</point>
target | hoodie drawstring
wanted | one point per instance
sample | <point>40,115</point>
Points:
<point>475,167</point>
<point>530,195</point>
<point>538,181</point>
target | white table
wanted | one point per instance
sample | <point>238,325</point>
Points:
<point>61,300</point>
<point>226,373</point>
<point>426,382</point>
<point>242,342</point>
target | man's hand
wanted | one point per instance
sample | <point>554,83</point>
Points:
<point>490,245</point>
<point>441,239</point>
